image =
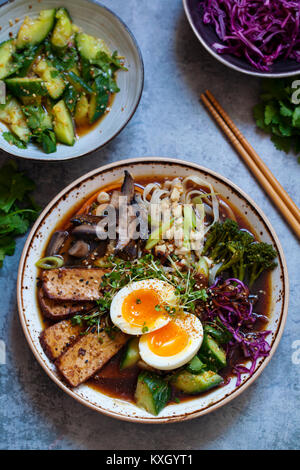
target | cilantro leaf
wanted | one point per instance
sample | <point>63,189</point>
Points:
<point>40,123</point>
<point>17,209</point>
<point>14,140</point>
<point>278,115</point>
<point>7,248</point>
<point>13,186</point>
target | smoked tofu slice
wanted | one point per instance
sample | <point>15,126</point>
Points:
<point>60,310</point>
<point>56,338</point>
<point>87,355</point>
<point>81,284</point>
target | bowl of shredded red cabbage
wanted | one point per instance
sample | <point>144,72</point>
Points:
<point>260,37</point>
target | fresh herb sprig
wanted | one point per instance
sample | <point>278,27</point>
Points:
<point>278,113</point>
<point>17,208</point>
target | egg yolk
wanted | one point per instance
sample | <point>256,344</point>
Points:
<point>168,340</point>
<point>142,307</point>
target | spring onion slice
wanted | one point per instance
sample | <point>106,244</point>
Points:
<point>157,234</point>
<point>50,262</point>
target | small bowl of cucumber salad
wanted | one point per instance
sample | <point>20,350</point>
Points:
<point>71,78</point>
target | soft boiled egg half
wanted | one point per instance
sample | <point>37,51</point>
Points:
<point>139,307</point>
<point>167,341</point>
<point>174,344</point>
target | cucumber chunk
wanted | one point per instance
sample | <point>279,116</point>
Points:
<point>24,86</point>
<point>53,81</point>
<point>213,351</point>
<point>34,31</point>
<point>7,66</point>
<point>63,124</point>
<point>63,30</point>
<point>89,46</point>
<point>195,366</point>
<point>219,333</point>
<point>11,114</point>
<point>131,354</point>
<point>196,383</point>
<point>81,111</point>
<point>152,392</point>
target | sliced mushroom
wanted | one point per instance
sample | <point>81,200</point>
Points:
<point>80,249</point>
<point>89,232</point>
<point>127,188</point>
<point>56,242</point>
<point>86,219</point>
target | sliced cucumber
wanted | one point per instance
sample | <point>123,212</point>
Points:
<point>152,392</point>
<point>7,66</point>
<point>213,351</point>
<point>89,46</point>
<point>63,124</point>
<point>11,114</point>
<point>34,31</point>
<point>195,366</point>
<point>24,86</point>
<point>63,30</point>
<point>81,111</point>
<point>53,81</point>
<point>27,100</point>
<point>131,354</point>
<point>196,383</point>
<point>219,333</point>
<point>99,100</point>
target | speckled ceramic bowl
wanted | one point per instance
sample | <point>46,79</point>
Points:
<point>80,190</point>
<point>99,21</point>
<point>207,36</point>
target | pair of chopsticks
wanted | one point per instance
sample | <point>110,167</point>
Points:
<point>263,175</point>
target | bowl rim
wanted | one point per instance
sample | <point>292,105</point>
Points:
<point>156,160</point>
<point>54,159</point>
<point>219,57</point>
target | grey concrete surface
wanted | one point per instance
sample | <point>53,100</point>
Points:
<point>170,121</point>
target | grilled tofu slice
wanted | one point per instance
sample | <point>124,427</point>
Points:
<point>56,338</point>
<point>82,284</point>
<point>87,355</point>
<point>60,310</point>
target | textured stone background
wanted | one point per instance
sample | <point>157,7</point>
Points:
<point>35,413</point>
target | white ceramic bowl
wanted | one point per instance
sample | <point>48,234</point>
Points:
<point>99,21</point>
<point>79,191</point>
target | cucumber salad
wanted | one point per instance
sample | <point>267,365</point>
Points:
<point>58,80</point>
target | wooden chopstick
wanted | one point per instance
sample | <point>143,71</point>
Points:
<point>259,162</point>
<point>258,173</point>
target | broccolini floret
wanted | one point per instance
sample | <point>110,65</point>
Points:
<point>237,251</point>
<point>259,257</point>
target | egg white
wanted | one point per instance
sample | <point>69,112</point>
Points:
<point>166,293</point>
<point>193,326</point>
